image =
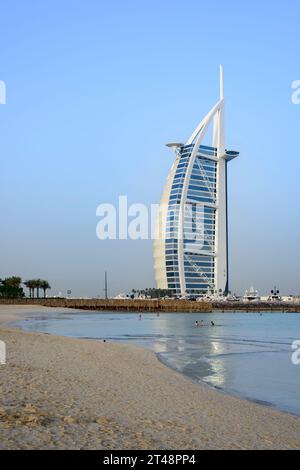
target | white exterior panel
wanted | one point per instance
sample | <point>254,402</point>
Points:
<point>198,179</point>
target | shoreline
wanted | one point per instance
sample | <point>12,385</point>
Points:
<point>160,357</point>
<point>58,392</point>
<point>220,390</point>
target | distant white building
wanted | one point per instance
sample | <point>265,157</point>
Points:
<point>191,246</point>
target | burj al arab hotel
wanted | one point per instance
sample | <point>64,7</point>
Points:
<point>191,241</point>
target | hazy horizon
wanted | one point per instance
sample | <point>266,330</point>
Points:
<point>95,90</point>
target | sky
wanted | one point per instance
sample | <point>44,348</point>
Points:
<point>95,89</point>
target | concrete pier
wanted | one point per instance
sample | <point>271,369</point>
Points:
<point>128,305</point>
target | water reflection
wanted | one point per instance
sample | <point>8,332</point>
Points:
<point>243,353</point>
<point>159,347</point>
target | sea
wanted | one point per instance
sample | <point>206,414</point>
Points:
<point>251,355</point>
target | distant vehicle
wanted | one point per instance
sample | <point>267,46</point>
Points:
<point>121,296</point>
<point>183,297</point>
<point>289,298</point>
<point>212,296</point>
<point>187,297</point>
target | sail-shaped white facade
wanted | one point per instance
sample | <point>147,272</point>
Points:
<point>191,242</point>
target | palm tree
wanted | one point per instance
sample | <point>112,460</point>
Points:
<point>30,284</point>
<point>44,285</point>
<point>36,284</point>
<point>13,281</point>
<point>11,287</point>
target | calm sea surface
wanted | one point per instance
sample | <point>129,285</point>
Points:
<point>243,354</point>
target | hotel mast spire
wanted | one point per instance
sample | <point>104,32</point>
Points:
<point>221,83</point>
<point>191,256</point>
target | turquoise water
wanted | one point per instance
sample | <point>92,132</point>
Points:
<point>244,354</point>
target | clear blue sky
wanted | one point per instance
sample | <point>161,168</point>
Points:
<point>94,91</point>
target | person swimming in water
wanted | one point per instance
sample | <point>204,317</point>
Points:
<point>196,323</point>
<point>212,323</point>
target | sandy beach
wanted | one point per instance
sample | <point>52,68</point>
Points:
<point>64,393</point>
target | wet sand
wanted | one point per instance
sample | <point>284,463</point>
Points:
<point>65,393</point>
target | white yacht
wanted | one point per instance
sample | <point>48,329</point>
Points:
<point>251,295</point>
<point>274,295</point>
<point>232,298</point>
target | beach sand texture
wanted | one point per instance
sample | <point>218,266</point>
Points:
<point>64,393</point>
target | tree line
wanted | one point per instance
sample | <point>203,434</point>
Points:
<point>151,292</point>
<point>11,287</point>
